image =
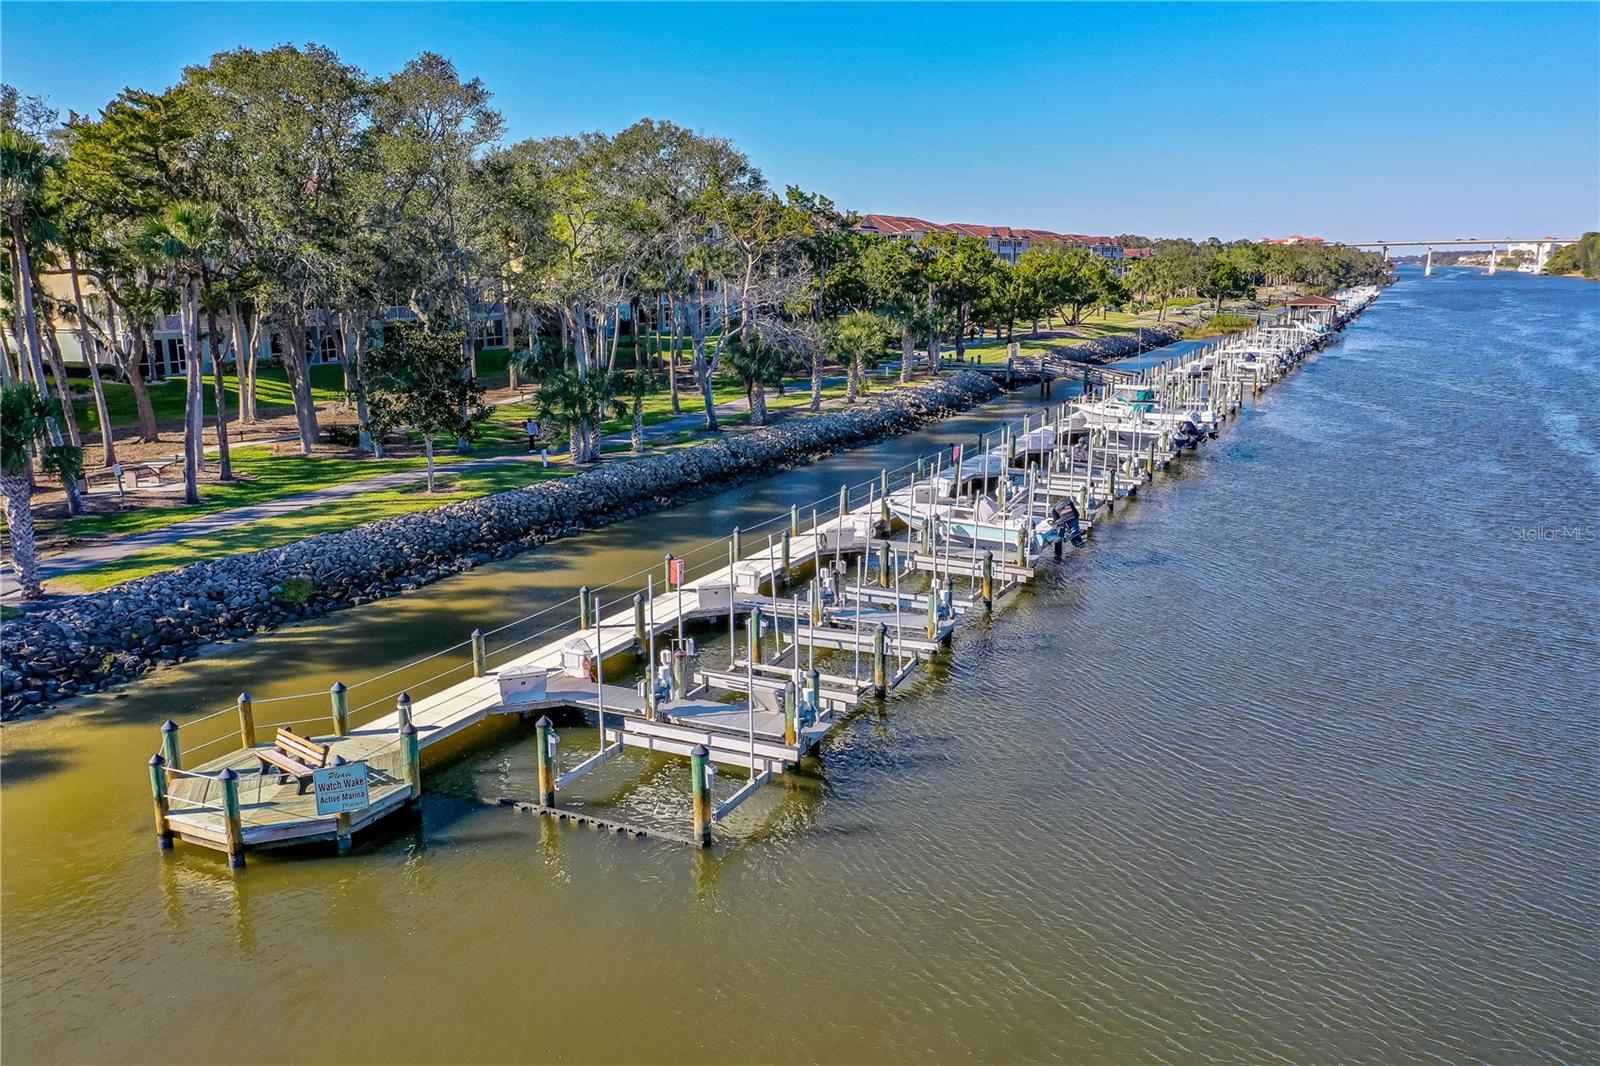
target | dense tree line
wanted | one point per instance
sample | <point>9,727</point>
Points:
<point>285,194</point>
<point>1580,258</point>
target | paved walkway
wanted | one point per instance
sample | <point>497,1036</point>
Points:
<point>111,549</point>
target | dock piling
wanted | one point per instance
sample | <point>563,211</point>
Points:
<point>231,817</point>
<point>884,564</point>
<point>408,739</point>
<point>585,608</point>
<point>402,709</point>
<point>158,793</point>
<point>880,661</point>
<point>988,581</point>
<point>339,697</point>
<point>737,538</point>
<point>700,786</point>
<point>547,772</point>
<point>789,714</point>
<point>641,636</point>
<point>480,653</point>
<point>247,721</point>
<point>170,749</point>
<point>341,821</point>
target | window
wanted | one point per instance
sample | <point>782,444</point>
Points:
<point>494,333</point>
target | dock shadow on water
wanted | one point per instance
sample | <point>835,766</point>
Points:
<point>1294,764</point>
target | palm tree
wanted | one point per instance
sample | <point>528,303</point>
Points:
<point>24,166</point>
<point>638,383</point>
<point>188,238</point>
<point>857,337</point>
<point>24,426</point>
<point>758,363</point>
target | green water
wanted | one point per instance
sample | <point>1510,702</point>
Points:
<point>1294,763</point>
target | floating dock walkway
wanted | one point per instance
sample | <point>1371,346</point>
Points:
<point>823,614</point>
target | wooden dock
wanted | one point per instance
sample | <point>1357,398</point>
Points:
<point>822,615</point>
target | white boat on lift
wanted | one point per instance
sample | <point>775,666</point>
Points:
<point>984,524</point>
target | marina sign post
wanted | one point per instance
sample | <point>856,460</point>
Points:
<point>341,789</point>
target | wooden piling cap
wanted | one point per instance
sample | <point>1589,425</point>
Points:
<point>404,699</point>
<point>477,634</point>
<point>700,751</point>
<point>169,726</point>
<point>408,730</point>
<point>244,697</point>
<point>338,686</point>
<point>543,722</point>
<point>227,774</point>
<point>157,760</point>
<point>338,760</point>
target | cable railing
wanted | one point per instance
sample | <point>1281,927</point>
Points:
<point>708,557</point>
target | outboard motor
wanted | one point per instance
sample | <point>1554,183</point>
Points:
<point>1065,516</point>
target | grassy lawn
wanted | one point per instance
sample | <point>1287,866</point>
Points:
<point>272,391</point>
<point>330,517</point>
<point>269,477</point>
<point>1220,325</point>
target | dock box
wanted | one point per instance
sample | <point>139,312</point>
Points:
<point>523,684</point>
<point>712,597</point>
<point>749,577</point>
<point>577,660</point>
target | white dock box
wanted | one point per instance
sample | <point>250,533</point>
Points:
<point>523,684</point>
<point>748,577</point>
<point>713,597</point>
<point>577,659</point>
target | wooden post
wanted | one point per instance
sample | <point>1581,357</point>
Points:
<point>880,660</point>
<point>408,740</point>
<point>789,714</point>
<point>480,654</point>
<point>680,675</point>
<point>700,787</point>
<point>158,793</point>
<point>844,500</point>
<point>933,612</point>
<point>666,567</point>
<point>988,580</point>
<point>231,817</point>
<point>641,639</point>
<point>547,773</point>
<point>402,709</point>
<point>340,698</point>
<point>883,495</point>
<point>738,549</point>
<point>883,566</point>
<point>1022,546</point>
<point>785,557</point>
<point>816,601</point>
<point>341,821</point>
<point>753,624</point>
<point>169,745</point>
<point>1111,487</point>
<point>585,607</point>
<point>247,721</point>
<point>794,520</point>
<point>814,683</point>
<point>1150,461</point>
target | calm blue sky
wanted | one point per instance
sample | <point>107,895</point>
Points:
<point>1351,121</point>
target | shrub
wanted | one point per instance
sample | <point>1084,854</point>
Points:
<point>295,591</point>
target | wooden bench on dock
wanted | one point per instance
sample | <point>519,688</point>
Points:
<point>293,756</point>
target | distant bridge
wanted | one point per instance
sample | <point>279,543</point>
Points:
<point>1544,246</point>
